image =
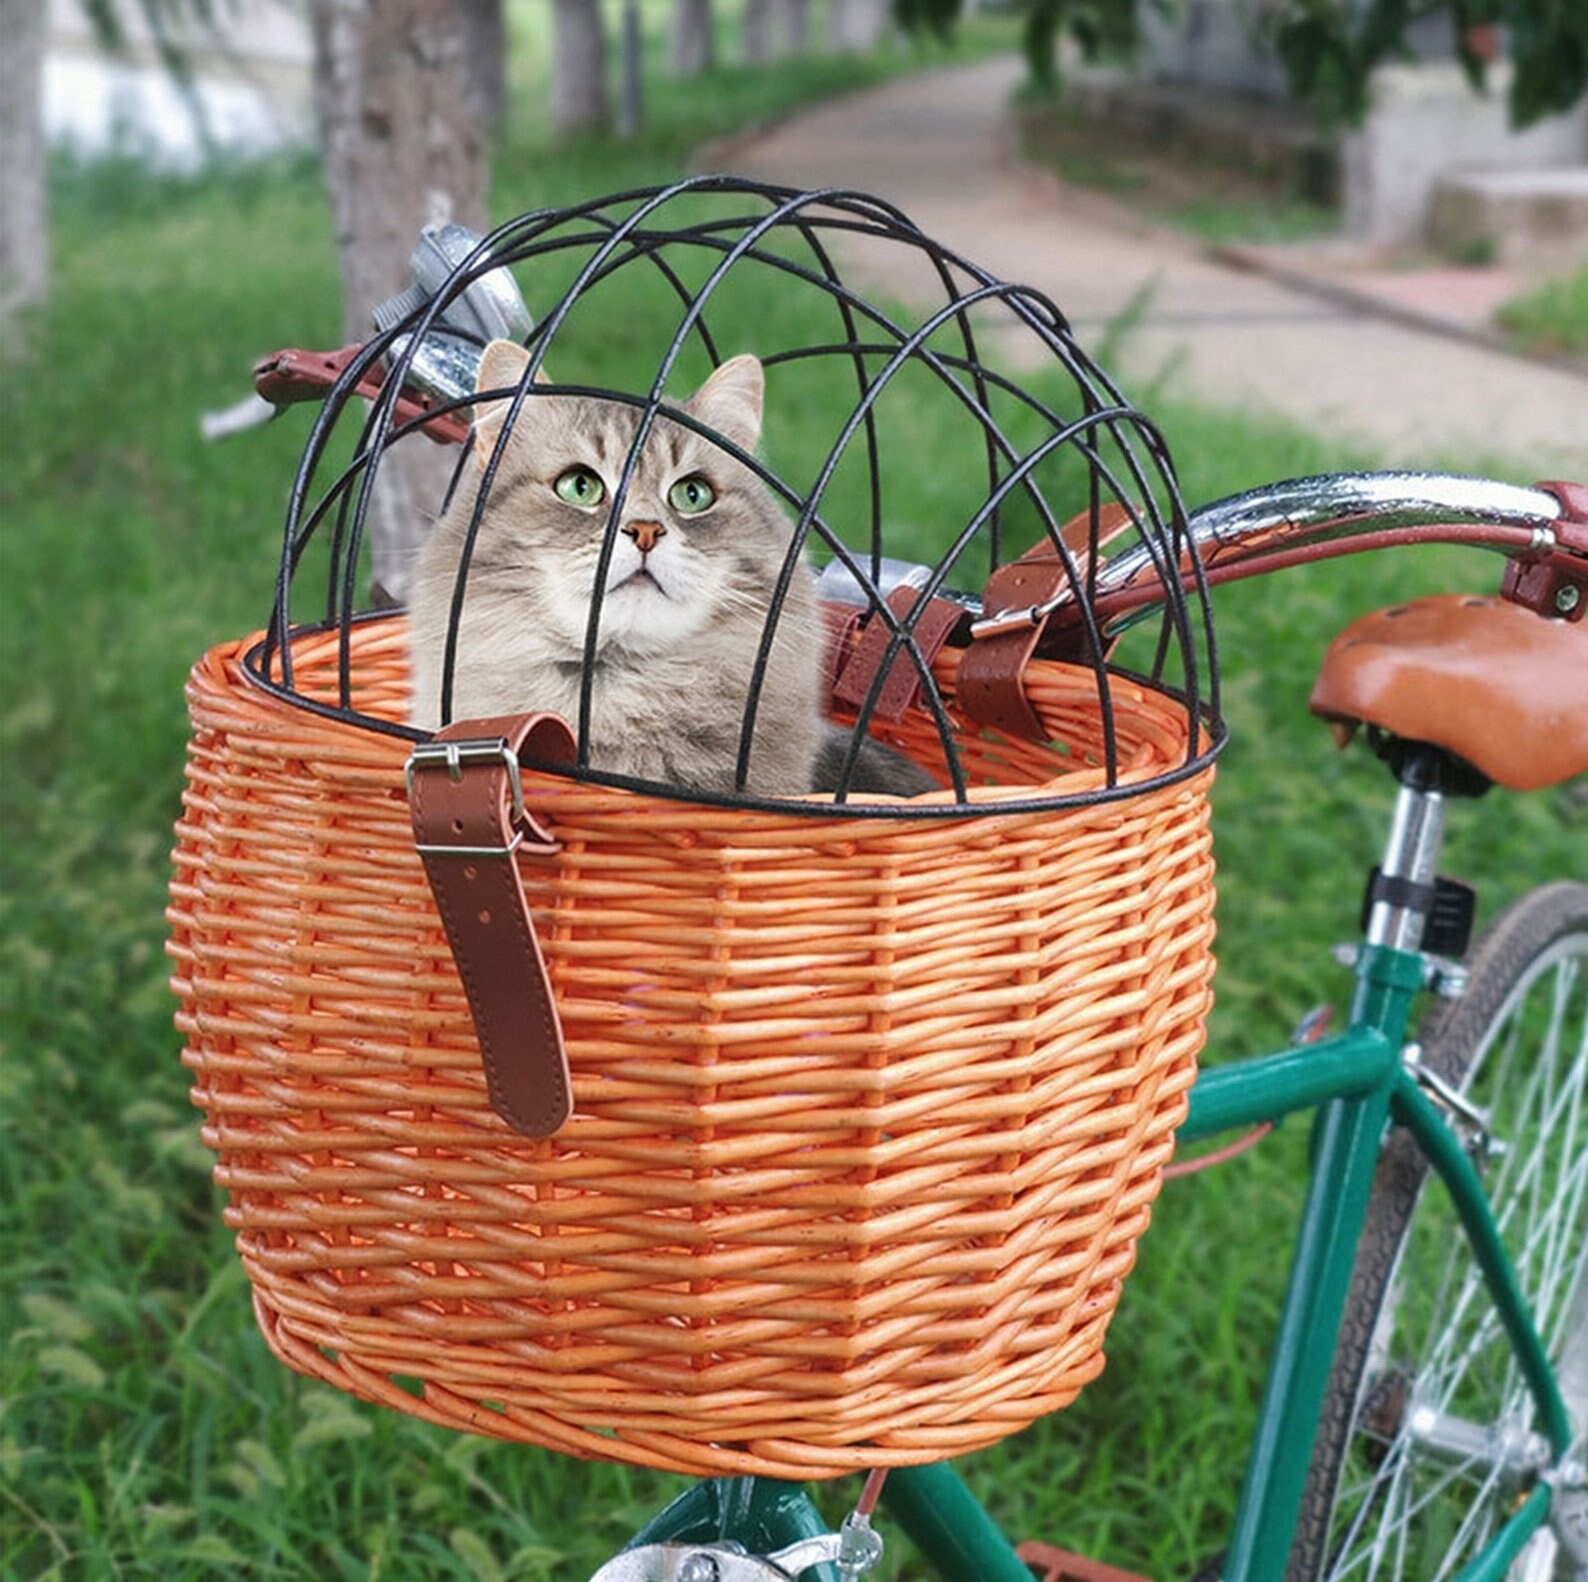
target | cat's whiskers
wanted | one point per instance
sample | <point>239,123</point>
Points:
<point>806,625</point>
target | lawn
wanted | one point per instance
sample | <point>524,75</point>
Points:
<point>144,1430</point>
<point>1551,316</point>
<point>1234,191</point>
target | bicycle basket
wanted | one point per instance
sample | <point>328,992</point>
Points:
<point>870,1093</point>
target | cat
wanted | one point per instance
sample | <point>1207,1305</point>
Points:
<point>692,573</point>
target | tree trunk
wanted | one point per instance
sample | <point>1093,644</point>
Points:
<point>857,24</point>
<point>631,71</point>
<point>773,28</point>
<point>24,208</point>
<point>796,20</point>
<point>401,150</point>
<point>484,63</point>
<point>693,48</point>
<point>579,96</point>
<point>755,31</point>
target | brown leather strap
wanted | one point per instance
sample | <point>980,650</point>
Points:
<point>991,680</point>
<point>842,623</point>
<point>930,629</point>
<point>466,799</point>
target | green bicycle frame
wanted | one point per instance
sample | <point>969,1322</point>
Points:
<point>1373,1085</point>
<point>1356,1083</point>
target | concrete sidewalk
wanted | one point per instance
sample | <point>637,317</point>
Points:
<point>941,146</point>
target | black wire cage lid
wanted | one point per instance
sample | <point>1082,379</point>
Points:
<point>897,442</point>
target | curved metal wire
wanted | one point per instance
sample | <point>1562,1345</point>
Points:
<point>699,239</point>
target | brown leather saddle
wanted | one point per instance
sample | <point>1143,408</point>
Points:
<point>1485,678</point>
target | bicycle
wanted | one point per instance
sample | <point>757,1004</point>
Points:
<point>1379,1403</point>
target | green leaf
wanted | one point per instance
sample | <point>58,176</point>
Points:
<point>159,1517</point>
<point>142,1204</point>
<point>183,1146</point>
<point>533,1561</point>
<point>476,1555</point>
<point>254,1471</point>
<point>55,1317</point>
<point>213,1550</point>
<point>13,1457</point>
<point>259,1460</point>
<point>72,1366</point>
<point>332,1420</point>
<point>145,1114</point>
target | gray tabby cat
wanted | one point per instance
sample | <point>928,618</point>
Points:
<point>691,577</point>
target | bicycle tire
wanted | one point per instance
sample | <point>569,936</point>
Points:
<point>1527,980</point>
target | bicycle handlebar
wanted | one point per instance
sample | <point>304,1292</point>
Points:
<point>1312,509</point>
<point>1301,519</point>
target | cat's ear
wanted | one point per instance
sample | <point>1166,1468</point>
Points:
<point>502,366</point>
<point>730,401</point>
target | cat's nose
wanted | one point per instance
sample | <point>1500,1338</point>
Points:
<point>644,534</point>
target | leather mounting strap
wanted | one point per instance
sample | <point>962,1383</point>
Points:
<point>927,631</point>
<point>991,681</point>
<point>466,800</point>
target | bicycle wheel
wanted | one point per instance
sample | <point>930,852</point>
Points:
<point>1429,1434</point>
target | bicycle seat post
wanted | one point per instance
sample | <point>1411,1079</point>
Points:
<point>1408,906</point>
<point>1402,891</point>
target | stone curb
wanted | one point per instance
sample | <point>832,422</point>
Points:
<point>1341,293</point>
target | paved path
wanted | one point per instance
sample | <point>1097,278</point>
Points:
<point>941,146</point>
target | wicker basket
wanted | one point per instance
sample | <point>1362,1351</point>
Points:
<point>869,1114</point>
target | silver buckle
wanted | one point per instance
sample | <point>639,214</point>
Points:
<point>453,755</point>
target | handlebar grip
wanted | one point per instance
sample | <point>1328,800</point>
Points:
<point>294,375</point>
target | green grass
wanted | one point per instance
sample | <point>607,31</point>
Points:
<point>144,1430</point>
<point>1553,315</point>
<point>1215,198</point>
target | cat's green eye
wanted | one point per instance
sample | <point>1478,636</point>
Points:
<point>690,496</point>
<point>579,486</point>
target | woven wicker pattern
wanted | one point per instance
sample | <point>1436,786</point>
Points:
<point>869,1114</point>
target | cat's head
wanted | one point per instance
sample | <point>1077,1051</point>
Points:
<point>698,538</point>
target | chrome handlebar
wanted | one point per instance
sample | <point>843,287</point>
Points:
<point>1307,509</point>
<point>1333,507</point>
